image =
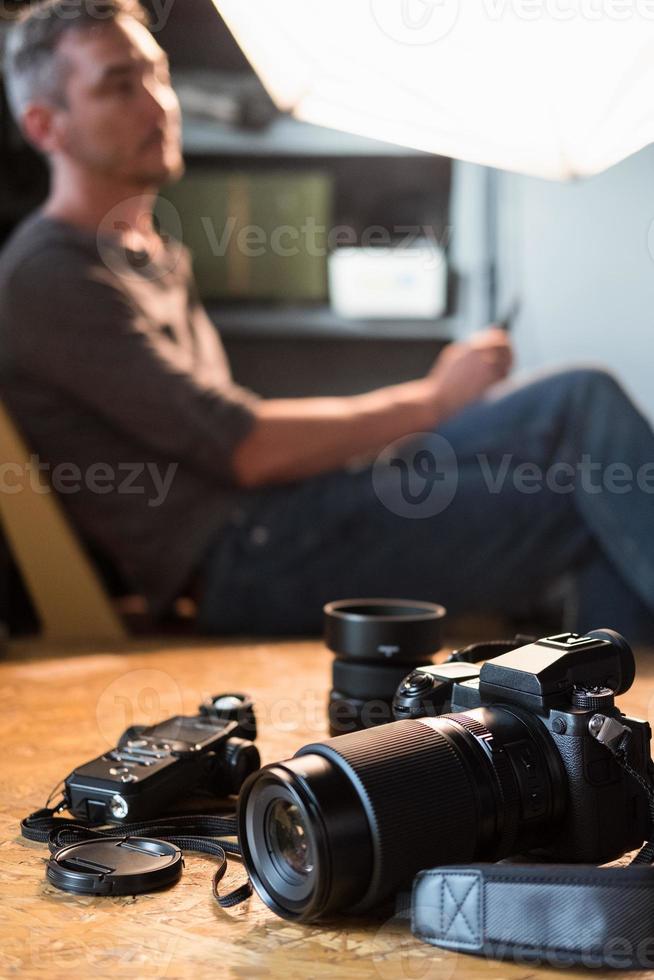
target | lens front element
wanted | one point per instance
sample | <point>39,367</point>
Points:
<point>288,842</point>
<point>305,837</point>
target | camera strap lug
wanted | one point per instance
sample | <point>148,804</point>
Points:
<point>616,737</point>
<point>611,733</point>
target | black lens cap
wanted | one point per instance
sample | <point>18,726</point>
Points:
<point>115,866</point>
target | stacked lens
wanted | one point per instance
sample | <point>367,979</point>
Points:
<point>377,642</point>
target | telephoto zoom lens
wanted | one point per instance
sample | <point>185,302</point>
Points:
<point>347,823</point>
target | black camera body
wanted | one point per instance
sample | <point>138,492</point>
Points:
<point>211,753</point>
<point>563,682</point>
<point>527,755</point>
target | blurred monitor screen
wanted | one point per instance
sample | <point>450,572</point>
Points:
<point>255,237</point>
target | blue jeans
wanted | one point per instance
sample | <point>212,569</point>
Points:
<point>534,488</point>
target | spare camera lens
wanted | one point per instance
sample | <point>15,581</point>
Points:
<point>376,642</point>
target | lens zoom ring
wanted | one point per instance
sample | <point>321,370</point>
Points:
<point>419,797</point>
<point>505,777</point>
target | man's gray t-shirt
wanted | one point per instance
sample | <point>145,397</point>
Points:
<point>119,383</point>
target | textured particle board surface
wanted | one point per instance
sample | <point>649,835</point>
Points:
<point>58,710</point>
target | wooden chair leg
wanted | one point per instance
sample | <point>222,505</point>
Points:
<point>64,586</point>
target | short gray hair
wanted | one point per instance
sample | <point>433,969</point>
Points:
<point>31,67</point>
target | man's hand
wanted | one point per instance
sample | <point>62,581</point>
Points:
<point>465,370</point>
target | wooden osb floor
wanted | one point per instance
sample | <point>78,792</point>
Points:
<point>59,711</point>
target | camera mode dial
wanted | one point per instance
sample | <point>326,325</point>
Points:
<point>593,698</point>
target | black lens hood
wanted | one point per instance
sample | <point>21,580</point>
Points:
<point>393,630</point>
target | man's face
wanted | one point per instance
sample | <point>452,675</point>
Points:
<point>121,116</point>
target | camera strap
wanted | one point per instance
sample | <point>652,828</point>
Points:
<point>476,652</point>
<point>555,915</point>
<point>205,834</point>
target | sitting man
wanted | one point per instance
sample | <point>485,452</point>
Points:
<point>268,508</point>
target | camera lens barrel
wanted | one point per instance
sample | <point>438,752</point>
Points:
<point>348,714</point>
<point>376,642</point>
<point>373,807</point>
<point>390,766</point>
<point>329,822</point>
<point>368,680</point>
<point>370,808</point>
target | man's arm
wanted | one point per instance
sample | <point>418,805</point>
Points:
<point>87,339</point>
<point>296,438</point>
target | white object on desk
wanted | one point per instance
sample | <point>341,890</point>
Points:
<point>384,282</point>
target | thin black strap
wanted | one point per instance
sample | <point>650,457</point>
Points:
<point>203,834</point>
<point>475,652</point>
